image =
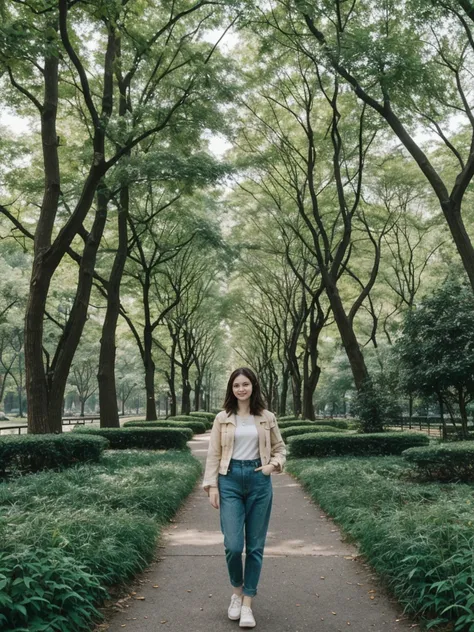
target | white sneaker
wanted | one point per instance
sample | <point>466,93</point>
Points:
<point>247,620</point>
<point>235,607</point>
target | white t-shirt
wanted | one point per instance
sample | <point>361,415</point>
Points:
<point>246,439</point>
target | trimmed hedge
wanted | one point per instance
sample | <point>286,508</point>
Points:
<point>334,423</point>
<point>146,438</point>
<point>453,462</point>
<point>288,418</point>
<point>187,418</point>
<point>198,427</point>
<point>332,444</point>
<point>299,430</point>
<point>32,453</point>
<point>204,414</point>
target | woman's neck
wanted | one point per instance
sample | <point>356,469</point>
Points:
<point>243,409</point>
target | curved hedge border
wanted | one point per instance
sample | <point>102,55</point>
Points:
<point>299,430</point>
<point>203,414</point>
<point>198,427</point>
<point>334,423</point>
<point>187,418</point>
<point>332,444</point>
<point>145,438</point>
<point>445,462</point>
<point>32,453</point>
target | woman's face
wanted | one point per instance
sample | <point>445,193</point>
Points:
<point>242,388</point>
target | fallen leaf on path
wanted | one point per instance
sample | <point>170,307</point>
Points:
<point>140,598</point>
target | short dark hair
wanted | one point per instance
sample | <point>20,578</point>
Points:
<point>257,403</point>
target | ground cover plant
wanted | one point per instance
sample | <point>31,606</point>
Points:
<point>418,536</point>
<point>66,535</point>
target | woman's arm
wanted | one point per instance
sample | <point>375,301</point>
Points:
<point>213,457</point>
<point>278,448</point>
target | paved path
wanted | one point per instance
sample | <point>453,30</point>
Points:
<point>311,581</point>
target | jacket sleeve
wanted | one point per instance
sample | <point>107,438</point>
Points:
<point>278,448</point>
<point>213,456</point>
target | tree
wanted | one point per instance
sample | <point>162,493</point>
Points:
<point>436,348</point>
<point>83,377</point>
<point>409,72</point>
<point>42,53</point>
<point>313,140</point>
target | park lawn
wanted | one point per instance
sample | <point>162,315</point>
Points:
<point>418,536</point>
<point>97,524</point>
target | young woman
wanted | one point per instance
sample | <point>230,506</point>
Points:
<point>244,450</point>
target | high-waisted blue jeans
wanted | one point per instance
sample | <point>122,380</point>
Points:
<point>245,502</point>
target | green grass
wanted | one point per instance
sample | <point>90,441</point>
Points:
<point>418,536</point>
<point>105,517</point>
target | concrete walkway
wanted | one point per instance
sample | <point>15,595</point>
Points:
<point>311,580</point>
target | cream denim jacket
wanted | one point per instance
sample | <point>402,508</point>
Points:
<point>271,447</point>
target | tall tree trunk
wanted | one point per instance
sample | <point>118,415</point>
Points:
<point>45,392</point>
<point>284,391</point>
<point>106,375</point>
<point>71,336</point>
<point>36,387</point>
<point>186,391</point>
<point>198,392</point>
<point>311,370</point>
<point>149,376</point>
<point>348,337</point>
<point>463,412</point>
<point>109,417</point>
<point>296,389</point>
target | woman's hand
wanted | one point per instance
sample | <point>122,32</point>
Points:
<point>214,497</point>
<point>266,469</point>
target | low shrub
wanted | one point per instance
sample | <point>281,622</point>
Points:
<point>145,438</point>
<point>288,418</point>
<point>204,414</point>
<point>32,453</point>
<point>331,444</point>
<point>197,426</point>
<point>299,430</point>
<point>442,462</point>
<point>187,418</point>
<point>334,423</point>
